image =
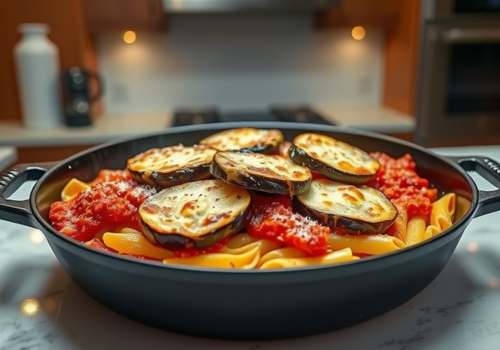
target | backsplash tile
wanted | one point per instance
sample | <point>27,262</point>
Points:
<point>239,61</point>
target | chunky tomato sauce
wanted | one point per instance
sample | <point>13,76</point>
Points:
<point>111,203</point>
<point>399,181</point>
<point>272,218</point>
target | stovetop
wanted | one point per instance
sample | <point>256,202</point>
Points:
<point>281,113</point>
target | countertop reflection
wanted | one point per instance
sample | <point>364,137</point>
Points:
<point>41,308</point>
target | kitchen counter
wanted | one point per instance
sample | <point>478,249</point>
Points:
<point>379,119</point>
<point>41,308</point>
<point>7,157</point>
<point>108,127</point>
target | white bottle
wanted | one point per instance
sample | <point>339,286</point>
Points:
<point>37,63</point>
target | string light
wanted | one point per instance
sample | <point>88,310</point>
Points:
<point>358,32</point>
<point>473,247</point>
<point>36,237</point>
<point>129,37</point>
<point>30,306</point>
<point>493,283</point>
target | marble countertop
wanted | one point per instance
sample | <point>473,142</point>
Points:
<point>108,127</point>
<point>8,156</point>
<point>41,308</point>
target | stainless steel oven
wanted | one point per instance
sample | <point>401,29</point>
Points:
<point>459,78</point>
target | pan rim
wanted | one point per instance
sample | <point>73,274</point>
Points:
<point>48,229</point>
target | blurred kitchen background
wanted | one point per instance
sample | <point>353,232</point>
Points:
<point>426,71</point>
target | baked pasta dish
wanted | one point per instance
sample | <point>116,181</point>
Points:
<point>247,199</point>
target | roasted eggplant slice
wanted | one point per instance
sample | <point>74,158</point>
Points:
<point>332,158</point>
<point>195,214</point>
<point>245,140</point>
<point>172,165</point>
<point>261,172</point>
<point>356,209</point>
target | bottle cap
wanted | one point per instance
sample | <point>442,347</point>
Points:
<point>33,28</point>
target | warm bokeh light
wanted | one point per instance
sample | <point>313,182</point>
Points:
<point>472,247</point>
<point>129,37</point>
<point>30,306</point>
<point>493,283</point>
<point>358,33</point>
<point>36,237</point>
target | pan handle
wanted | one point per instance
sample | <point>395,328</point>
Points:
<point>489,201</point>
<point>19,211</point>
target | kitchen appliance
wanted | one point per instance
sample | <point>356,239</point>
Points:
<point>218,6</point>
<point>459,87</point>
<point>77,96</point>
<point>281,113</point>
<point>249,303</point>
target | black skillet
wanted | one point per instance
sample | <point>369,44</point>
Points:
<point>249,304</point>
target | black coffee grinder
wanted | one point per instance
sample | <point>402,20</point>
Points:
<point>77,98</point>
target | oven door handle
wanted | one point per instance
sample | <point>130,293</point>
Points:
<point>470,35</point>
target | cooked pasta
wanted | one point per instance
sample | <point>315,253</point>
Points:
<point>365,244</point>
<point>243,260</point>
<point>443,211</point>
<point>441,218</point>
<point>416,231</point>
<point>282,253</point>
<point>242,251</point>
<point>336,257</point>
<point>131,242</point>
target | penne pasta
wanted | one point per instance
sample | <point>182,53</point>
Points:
<point>134,243</point>
<point>263,245</point>
<point>282,253</point>
<point>365,244</point>
<point>416,231</point>
<point>73,188</point>
<point>432,230</point>
<point>443,211</point>
<point>336,257</point>
<point>247,259</point>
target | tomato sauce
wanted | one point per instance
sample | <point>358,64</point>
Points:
<point>272,217</point>
<point>110,204</point>
<point>399,181</point>
<point>190,252</point>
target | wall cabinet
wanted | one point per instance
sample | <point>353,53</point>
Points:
<point>110,15</point>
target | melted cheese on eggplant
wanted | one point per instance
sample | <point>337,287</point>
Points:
<point>194,209</point>
<point>337,154</point>
<point>262,165</point>
<point>361,203</point>
<point>170,159</point>
<point>243,138</point>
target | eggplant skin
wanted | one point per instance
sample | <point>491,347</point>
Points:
<point>300,157</point>
<point>178,242</point>
<point>333,221</point>
<point>266,149</point>
<point>162,180</point>
<point>261,184</point>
